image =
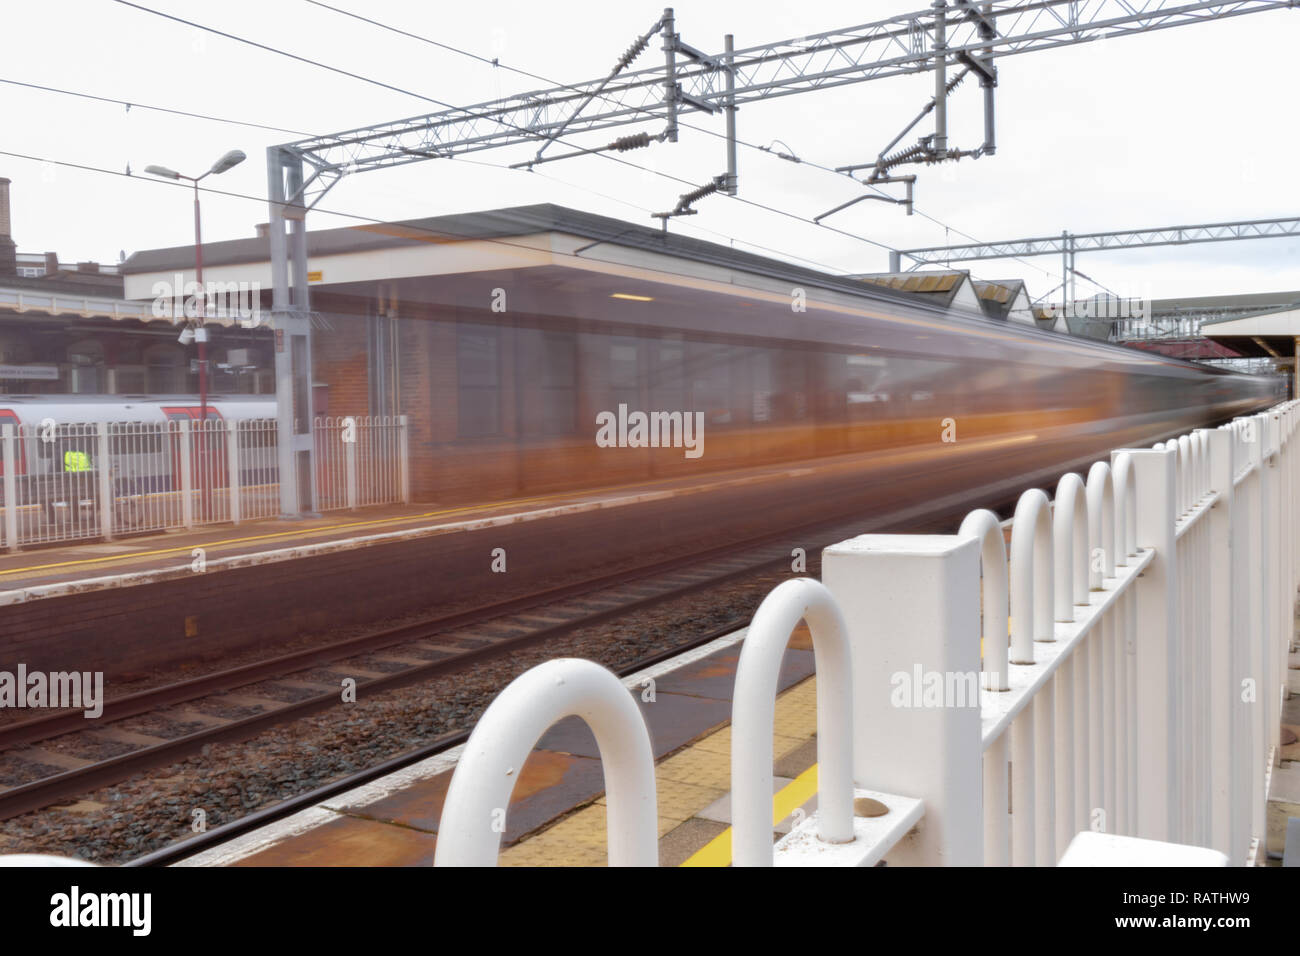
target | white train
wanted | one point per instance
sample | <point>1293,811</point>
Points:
<point>56,451</point>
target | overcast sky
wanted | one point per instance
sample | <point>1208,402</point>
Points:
<point>1182,126</point>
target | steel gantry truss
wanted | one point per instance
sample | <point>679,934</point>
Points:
<point>965,34</point>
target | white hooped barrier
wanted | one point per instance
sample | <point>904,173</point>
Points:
<point>473,817</point>
<point>983,524</point>
<point>1185,470</point>
<point>1125,508</point>
<point>753,713</point>
<point>1032,575</point>
<point>1101,524</point>
<point>1070,546</point>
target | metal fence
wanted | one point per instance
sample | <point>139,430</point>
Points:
<point>1120,672</point>
<point>79,481</point>
<point>360,461</point>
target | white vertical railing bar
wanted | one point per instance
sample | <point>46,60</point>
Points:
<point>985,526</point>
<point>754,711</point>
<point>404,458</point>
<point>234,480</point>
<point>1031,575</point>
<point>478,798</point>
<point>187,474</point>
<point>104,469</point>
<point>7,433</point>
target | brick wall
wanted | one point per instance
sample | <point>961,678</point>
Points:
<point>339,361</point>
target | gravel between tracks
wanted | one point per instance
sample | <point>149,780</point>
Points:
<point>153,809</point>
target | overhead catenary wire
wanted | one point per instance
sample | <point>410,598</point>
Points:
<point>397,89</point>
<point>494,62</point>
<point>460,159</point>
<point>380,83</point>
<point>441,235</point>
<point>790,156</point>
<point>132,104</point>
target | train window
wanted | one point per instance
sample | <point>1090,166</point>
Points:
<point>478,368</point>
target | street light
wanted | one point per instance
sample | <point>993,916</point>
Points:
<point>199,334</point>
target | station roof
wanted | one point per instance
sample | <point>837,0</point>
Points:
<point>939,287</point>
<point>488,226</point>
<point>1226,305</point>
<point>1269,334</point>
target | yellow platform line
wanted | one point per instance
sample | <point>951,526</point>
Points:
<point>579,495</point>
<point>717,852</point>
<point>297,532</point>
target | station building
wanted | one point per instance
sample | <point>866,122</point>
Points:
<point>503,334</point>
<point>69,329</point>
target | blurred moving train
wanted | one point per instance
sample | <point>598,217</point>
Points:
<point>908,400</point>
<point>514,402</point>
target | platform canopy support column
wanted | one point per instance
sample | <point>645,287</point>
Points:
<point>291,319</point>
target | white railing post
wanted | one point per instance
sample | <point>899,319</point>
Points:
<point>11,488</point>
<point>1223,716</point>
<point>753,713</point>
<point>404,457</point>
<point>1157,635</point>
<point>911,606</point>
<point>1070,558</point>
<point>187,475</point>
<point>1102,645</point>
<point>478,798</point>
<point>350,457</point>
<point>1254,617</point>
<point>234,490</point>
<point>104,472</point>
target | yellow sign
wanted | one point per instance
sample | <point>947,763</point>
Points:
<point>315,276</point>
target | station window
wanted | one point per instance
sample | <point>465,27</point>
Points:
<point>625,372</point>
<point>667,376</point>
<point>478,366</point>
<point>557,381</point>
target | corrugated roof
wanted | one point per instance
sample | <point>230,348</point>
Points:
<point>997,296</point>
<point>924,282</point>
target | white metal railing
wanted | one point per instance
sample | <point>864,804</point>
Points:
<point>360,461</point>
<point>70,481</point>
<point>1134,689</point>
<point>473,815</point>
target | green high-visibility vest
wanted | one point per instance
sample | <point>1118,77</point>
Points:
<point>76,461</point>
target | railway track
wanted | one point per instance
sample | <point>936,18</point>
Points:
<point>389,658</point>
<point>167,855</point>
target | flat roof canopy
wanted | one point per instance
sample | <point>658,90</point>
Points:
<point>1263,335</point>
